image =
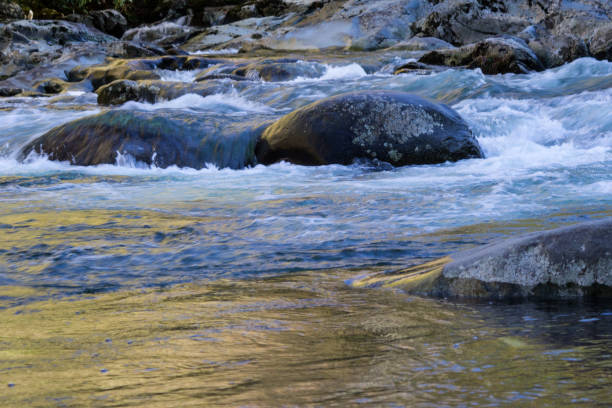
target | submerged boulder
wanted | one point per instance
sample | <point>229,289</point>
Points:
<point>568,262</point>
<point>277,70</point>
<point>394,127</point>
<point>50,86</point>
<point>160,138</point>
<point>109,21</point>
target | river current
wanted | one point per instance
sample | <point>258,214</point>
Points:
<point>128,284</point>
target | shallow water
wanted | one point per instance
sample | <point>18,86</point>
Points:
<point>106,233</point>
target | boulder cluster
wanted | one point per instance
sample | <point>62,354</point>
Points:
<point>118,54</point>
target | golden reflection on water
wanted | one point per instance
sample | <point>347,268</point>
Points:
<point>306,340</point>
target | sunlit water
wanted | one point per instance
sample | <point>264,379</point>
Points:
<point>90,257</point>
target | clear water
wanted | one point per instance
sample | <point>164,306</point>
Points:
<point>272,246</point>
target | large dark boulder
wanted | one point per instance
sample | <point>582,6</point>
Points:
<point>394,127</point>
<point>160,138</point>
<point>497,55</point>
<point>568,262</point>
<point>109,21</point>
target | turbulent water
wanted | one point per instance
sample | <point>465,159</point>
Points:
<point>265,318</point>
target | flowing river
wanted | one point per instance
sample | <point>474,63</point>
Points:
<point>127,284</point>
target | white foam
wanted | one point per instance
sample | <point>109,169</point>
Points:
<point>224,51</point>
<point>351,71</point>
<point>178,75</point>
<point>335,72</point>
<point>232,102</point>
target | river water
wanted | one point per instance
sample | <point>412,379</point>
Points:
<point>127,285</point>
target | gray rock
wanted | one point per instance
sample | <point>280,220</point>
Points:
<point>601,43</point>
<point>26,45</point>
<point>109,21</point>
<point>157,138</point>
<point>462,22</point>
<point>553,50</point>
<point>568,262</point>
<point>422,44</point>
<point>496,55</point>
<point>164,35</point>
<point>393,127</point>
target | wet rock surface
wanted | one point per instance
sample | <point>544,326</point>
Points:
<point>122,91</point>
<point>134,69</point>
<point>281,69</point>
<point>553,50</point>
<point>157,138</point>
<point>497,55</point>
<point>47,45</point>
<point>568,262</point>
<point>601,43</point>
<point>393,127</point>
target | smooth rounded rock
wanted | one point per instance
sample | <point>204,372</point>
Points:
<point>160,138</point>
<point>393,127</point>
<point>567,262</point>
